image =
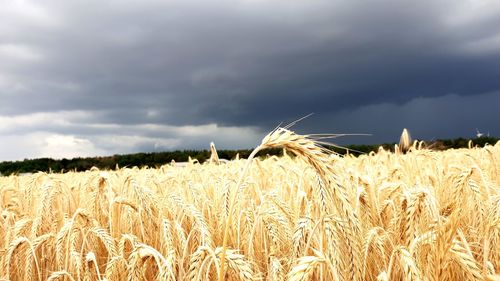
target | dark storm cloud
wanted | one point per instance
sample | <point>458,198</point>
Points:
<point>246,63</point>
<point>429,118</point>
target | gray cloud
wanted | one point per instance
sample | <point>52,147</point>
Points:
<point>428,118</point>
<point>245,65</point>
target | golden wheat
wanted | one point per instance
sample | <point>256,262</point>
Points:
<point>308,215</point>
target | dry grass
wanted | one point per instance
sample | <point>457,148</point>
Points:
<point>423,215</point>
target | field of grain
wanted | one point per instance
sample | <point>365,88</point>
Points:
<point>423,215</point>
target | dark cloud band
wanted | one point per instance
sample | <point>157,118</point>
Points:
<point>245,64</point>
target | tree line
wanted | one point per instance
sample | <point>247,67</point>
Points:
<point>157,159</point>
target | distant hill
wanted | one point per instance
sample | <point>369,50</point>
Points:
<point>156,159</point>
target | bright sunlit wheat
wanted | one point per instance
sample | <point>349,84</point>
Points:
<point>423,215</point>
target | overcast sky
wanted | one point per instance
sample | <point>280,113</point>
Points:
<point>84,78</point>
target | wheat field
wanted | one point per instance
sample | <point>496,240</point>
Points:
<point>308,215</point>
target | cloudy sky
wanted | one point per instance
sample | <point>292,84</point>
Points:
<point>84,78</point>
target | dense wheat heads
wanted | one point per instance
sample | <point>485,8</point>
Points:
<point>423,215</point>
<point>328,187</point>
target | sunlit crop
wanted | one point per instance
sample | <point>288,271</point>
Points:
<point>308,215</point>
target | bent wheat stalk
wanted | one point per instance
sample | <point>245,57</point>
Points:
<point>307,149</point>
